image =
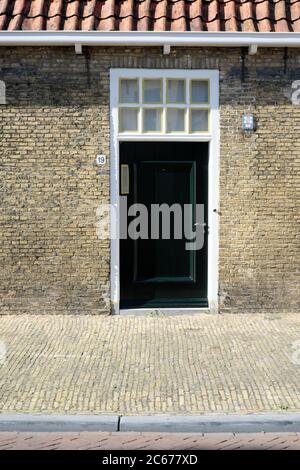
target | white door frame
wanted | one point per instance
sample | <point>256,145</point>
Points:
<point>212,137</point>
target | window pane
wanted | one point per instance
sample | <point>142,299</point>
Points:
<point>129,91</point>
<point>128,119</point>
<point>199,91</point>
<point>176,91</point>
<point>175,120</point>
<point>152,120</point>
<point>199,120</point>
<point>152,91</point>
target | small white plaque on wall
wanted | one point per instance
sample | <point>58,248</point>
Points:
<point>101,159</point>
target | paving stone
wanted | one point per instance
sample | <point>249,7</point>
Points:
<point>148,441</point>
<point>149,365</point>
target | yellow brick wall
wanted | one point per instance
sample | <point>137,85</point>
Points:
<point>56,121</point>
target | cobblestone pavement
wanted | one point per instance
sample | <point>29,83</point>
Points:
<point>160,364</point>
<point>148,441</point>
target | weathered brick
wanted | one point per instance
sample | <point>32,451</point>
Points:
<point>57,120</point>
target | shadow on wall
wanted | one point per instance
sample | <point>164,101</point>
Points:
<point>47,80</point>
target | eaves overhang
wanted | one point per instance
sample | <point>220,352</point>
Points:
<point>149,38</point>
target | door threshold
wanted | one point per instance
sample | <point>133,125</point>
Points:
<point>157,312</point>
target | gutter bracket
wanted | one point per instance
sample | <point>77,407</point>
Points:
<point>166,49</point>
<point>252,49</point>
<point>78,49</point>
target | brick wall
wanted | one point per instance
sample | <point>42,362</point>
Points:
<point>56,121</point>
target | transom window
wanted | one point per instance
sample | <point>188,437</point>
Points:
<point>168,105</point>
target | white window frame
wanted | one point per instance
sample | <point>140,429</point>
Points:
<point>164,105</point>
<point>212,137</point>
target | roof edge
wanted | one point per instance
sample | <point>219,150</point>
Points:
<point>149,38</point>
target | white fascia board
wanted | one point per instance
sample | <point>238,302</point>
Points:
<point>149,38</point>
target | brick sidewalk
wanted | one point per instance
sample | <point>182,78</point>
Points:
<point>148,441</point>
<point>131,365</point>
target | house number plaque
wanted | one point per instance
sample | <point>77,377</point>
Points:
<point>101,159</point>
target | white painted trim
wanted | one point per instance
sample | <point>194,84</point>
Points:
<point>213,197</point>
<point>78,48</point>
<point>114,194</point>
<point>213,177</point>
<point>252,49</point>
<point>149,38</point>
<point>164,311</point>
<point>166,49</point>
<point>204,137</point>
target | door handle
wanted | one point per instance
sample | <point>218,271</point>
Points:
<point>204,225</point>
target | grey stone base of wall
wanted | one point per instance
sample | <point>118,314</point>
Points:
<point>213,423</point>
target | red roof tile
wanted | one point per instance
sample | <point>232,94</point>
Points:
<point>151,15</point>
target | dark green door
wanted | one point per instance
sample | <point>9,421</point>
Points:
<point>162,185</point>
